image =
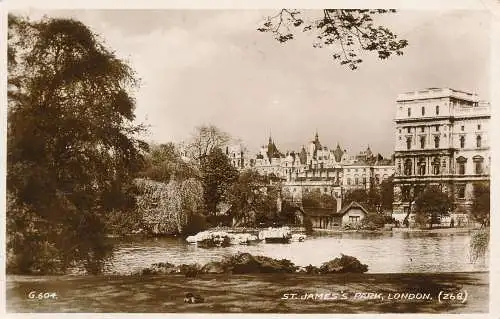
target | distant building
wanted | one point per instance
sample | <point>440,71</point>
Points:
<point>441,139</point>
<point>316,168</point>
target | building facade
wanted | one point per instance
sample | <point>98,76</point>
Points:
<point>316,168</point>
<point>441,139</point>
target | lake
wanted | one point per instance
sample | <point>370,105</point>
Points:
<point>382,252</point>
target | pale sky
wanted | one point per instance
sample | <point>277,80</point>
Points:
<point>212,66</point>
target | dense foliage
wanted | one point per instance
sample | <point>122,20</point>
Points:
<point>431,204</point>
<point>167,208</point>
<point>372,199</point>
<point>481,204</point>
<point>72,148</point>
<point>316,199</point>
<point>164,162</point>
<point>218,174</point>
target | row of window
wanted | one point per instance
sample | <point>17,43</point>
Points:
<point>461,162</point>
<point>436,142</point>
<point>460,192</point>
<point>436,128</point>
<point>436,110</point>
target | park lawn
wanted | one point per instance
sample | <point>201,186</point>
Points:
<point>255,293</point>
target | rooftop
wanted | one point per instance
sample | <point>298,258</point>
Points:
<point>433,93</point>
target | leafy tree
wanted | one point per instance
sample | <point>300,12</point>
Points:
<point>359,195</point>
<point>432,203</point>
<point>410,193</point>
<point>164,162</point>
<point>346,31</point>
<point>205,139</point>
<point>317,199</point>
<point>481,203</point>
<point>167,208</point>
<point>374,199</point>
<point>72,147</point>
<point>387,193</point>
<point>247,193</point>
<point>217,177</point>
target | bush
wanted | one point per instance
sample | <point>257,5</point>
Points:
<point>246,263</point>
<point>375,220</point>
<point>344,264</point>
<point>479,243</point>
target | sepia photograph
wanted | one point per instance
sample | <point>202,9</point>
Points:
<point>286,161</point>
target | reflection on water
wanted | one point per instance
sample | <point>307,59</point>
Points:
<point>383,253</point>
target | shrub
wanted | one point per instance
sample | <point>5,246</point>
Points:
<point>479,243</point>
<point>344,264</point>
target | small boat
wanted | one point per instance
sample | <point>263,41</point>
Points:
<point>277,240</point>
<point>299,237</point>
<point>281,235</point>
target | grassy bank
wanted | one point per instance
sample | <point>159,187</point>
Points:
<point>257,293</point>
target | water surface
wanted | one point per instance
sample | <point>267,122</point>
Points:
<point>383,253</point>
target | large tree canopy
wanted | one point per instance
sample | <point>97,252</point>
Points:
<point>72,145</point>
<point>204,140</point>
<point>164,162</point>
<point>218,175</point>
<point>346,31</point>
<point>432,203</point>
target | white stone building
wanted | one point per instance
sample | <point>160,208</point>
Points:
<point>441,138</point>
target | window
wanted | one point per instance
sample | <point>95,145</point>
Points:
<point>435,166</point>
<point>348,181</point>
<point>422,142</point>
<point>478,164</point>
<point>437,128</point>
<point>461,165</point>
<point>479,167</point>
<point>421,168</point>
<point>326,190</point>
<point>423,110</point>
<point>408,167</point>
<point>437,109</point>
<point>409,112</point>
<point>462,141</point>
<point>354,219</point>
<point>478,141</point>
<point>408,130</point>
<point>422,129</point>
<point>399,131</point>
<point>461,191</point>
<point>356,181</point>
<point>364,180</point>
<point>408,143</point>
<point>436,141</point>
<point>479,127</point>
<point>462,128</point>
<point>405,192</point>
